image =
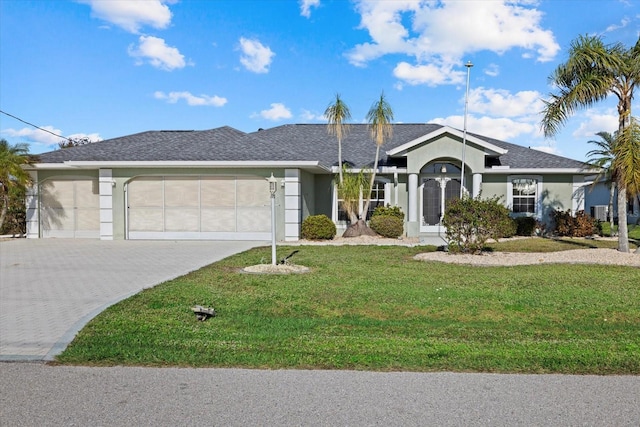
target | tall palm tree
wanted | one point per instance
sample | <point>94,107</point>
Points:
<point>592,73</point>
<point>627,158</point>
<point>337,114</point>
<point>12,175</point>
<point>380,118</point>
<point>602,158</point>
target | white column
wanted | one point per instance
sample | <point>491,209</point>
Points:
<point>413,197</point>
<point>33,214</point>
<point>106,184</point>
<point>477,184</point>
<point>292,205</point>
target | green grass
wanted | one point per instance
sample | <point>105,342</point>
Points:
<point>634,230</point>
<point>375,308</point>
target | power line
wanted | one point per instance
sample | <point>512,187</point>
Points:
<point>35,126</point>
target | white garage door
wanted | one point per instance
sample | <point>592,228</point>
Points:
<point>199,207</point>
<point>70,208</point>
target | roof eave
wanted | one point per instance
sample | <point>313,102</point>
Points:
<point>215,164</point>
<point>402,149</point>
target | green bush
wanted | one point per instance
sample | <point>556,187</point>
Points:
<point>471,222</point>
<point>318,227</point>
<point>16,220</point>
<point>388,210</point>
<point>525,226</point>
<point>387,225</point>
<point>567,225</point>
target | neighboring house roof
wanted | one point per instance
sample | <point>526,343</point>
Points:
<point>292,143</point>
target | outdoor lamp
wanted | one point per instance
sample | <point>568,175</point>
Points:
<point>443,169</point>
<point>273,187</point>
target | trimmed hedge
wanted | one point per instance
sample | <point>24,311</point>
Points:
<point>387,225</point>
<point>318,227</point>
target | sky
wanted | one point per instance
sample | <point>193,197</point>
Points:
<point>108,68</point>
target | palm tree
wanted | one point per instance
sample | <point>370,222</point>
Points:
<point>592,73</point>
<point>602,158</point>
<point>336,114</point>
<point>380,118</point>
<point>627,158</point>
<point>12,175</point>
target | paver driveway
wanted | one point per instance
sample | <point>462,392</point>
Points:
<point>50,288</point>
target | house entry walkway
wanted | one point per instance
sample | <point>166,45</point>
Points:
<point>50,288</point>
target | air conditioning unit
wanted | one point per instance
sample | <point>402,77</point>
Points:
<point>599,212</point>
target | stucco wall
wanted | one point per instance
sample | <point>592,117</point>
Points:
<point>442,149</point>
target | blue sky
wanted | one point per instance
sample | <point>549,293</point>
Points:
<point>108,68</point>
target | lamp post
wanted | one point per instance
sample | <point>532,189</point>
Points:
<point>464,131</point>
<point>273,187</point>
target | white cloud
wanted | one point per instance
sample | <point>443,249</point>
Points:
<point>132,15</point>
<point>492,70</point>
<point>40,140</point>
<point>36,135</point>
<point>441,33</point>
<point>192,100</point>
<point>255,56</point>
<point>499,102</point>
<point>93,137</point>
<point>429,74</point>
<point>501,128</point>
<point>157,53</point>
<point>306,5</point>
<point>595,122</point>
<point>308,116</point>
<point>278,111</point>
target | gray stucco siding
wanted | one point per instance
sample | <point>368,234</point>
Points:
<point>445,148</point>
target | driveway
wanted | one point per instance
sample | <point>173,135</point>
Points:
<point>50,288</point>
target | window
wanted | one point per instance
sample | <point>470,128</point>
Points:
<point>377,199</point>
<point>524,195</point>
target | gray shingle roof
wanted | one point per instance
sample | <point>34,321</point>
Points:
<point>295,142</point>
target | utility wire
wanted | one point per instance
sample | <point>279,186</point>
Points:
<point>35,126</point>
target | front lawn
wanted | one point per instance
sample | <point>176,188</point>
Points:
<point>375,308</point>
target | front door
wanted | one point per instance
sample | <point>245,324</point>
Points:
<point>436,193</point>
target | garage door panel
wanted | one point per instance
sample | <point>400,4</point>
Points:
<point>220,219</point>
<point>182,192</point>
<point>87,219</point>
<point>254,219</point>
<point>182,219</point>
<point>70,208</point>
<point>199,207</point>
<point>87,194</point>
<point>146,219</point>
<point>218,192</point>
<point>145,192</point>
<point>253,192</point>
<point>58,194</point>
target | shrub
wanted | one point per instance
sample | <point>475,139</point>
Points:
<point>318,227</point>
<point>388,210</point>
<point>16,220</point>
<point>471,222</point>
<point>568,225</point>
<point>525,225</point>
<point>387,225</point>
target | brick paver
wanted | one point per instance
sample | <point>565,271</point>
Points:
<point>50,288</point>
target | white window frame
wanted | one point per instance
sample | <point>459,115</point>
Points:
<point>538,203</point>
<point>336,206</point>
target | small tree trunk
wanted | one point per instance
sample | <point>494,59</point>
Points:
<point>612,192</point>
<point>359,228</point>
<point>623,232</point>
<point>5,206</point>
